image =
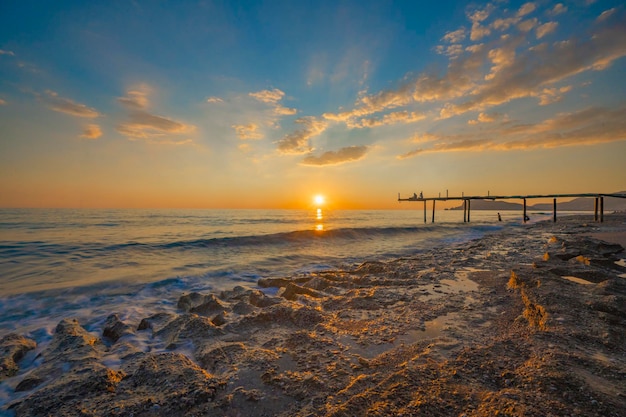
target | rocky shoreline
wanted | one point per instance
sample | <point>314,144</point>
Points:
<point>528,321</point>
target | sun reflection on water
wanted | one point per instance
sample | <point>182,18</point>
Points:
<point>319,216</point>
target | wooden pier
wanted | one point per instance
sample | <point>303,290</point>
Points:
<point>467,201</point>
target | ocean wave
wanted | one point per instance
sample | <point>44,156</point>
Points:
<point>301,237</point>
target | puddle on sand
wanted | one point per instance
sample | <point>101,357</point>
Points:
<point>433,329</point>
<point>577,280</point>
<point>461,283</point>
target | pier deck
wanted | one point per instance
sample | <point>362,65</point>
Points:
<point>598,211</point>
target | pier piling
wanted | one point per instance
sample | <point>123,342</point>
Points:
<point>434,210</point>
<point>467,200</point>
<point>602,209</point>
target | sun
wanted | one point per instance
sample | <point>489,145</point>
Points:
<point>319,199</point>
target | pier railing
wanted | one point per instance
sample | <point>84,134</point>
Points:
<point>467,200</point>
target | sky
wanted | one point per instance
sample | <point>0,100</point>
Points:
<point>265,104</point>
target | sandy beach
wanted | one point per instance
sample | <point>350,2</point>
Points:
<point>527,321</point>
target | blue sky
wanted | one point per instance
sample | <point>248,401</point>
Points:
<point>265,104</point>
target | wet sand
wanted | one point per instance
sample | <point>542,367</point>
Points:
<point>528,321</point>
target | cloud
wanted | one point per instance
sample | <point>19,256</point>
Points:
<point>136,98</point>
<point>424,137</point>
<point>268,96</point>
<point>479,31</point>
<point>504,55</point>
<point>526,9</point>
<point>542,66</point>
<point>298,142</point>
<point>343,155</point>
<point>388,119</point>
<point>450,50</point>
<point>91,132</point>
<point>606,14</point>
<point>527,25</point>
<point>410,154</point>
<point>272,97</point>
<point>3,102</point>
<point>558,9</point>
<point>214,100</point>
<point>590,126</point>
<point>63,105</point>
<point>546,29</point>
<point>486,118</point>
<point>284,111</point>
<point>551,95</point>
<point>141,124</point>
<point>456,36</point>
<point>3,52</point>
<point>249,131</point>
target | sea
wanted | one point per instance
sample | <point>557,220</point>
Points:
<point>90,263</point>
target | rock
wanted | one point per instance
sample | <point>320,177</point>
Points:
<point>273,282</point>
<point>157,321</point>
<point>219,320</point>
<point>13,347</point>
<point>259,299</point>
<point>188,327</point>
<point>71,342</point>
<point>292,291</point>
<point>243,308</point>
<point>211,305</point>
<point>72,349</point>
<point>114,328</point>
<point>188,301</point>
<point>280,282</point>
<point>166,383</point>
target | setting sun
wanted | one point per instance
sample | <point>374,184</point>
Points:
<point>319,199</point>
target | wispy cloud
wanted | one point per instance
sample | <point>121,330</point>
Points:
<point>586,127</point>
<point>298,142</point>
<point>387,119</point>
<point>214,100</point>
<point>64,105</point>
<point>249,131</point>
<point>91,131</point>
<point>137,98</point>
<point>141,124</point>
<point>546,29</point>
<point>3,102</point>
<point>545,65</point>
<point>455,36</point>
<point>558,9</point>
<point>3,52</point>
<point>341,156</point>
<point>527,8</point>
<point>486,118</point>
<point>606,14</point>
<point>273,97</point>
<point>505,55</point>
